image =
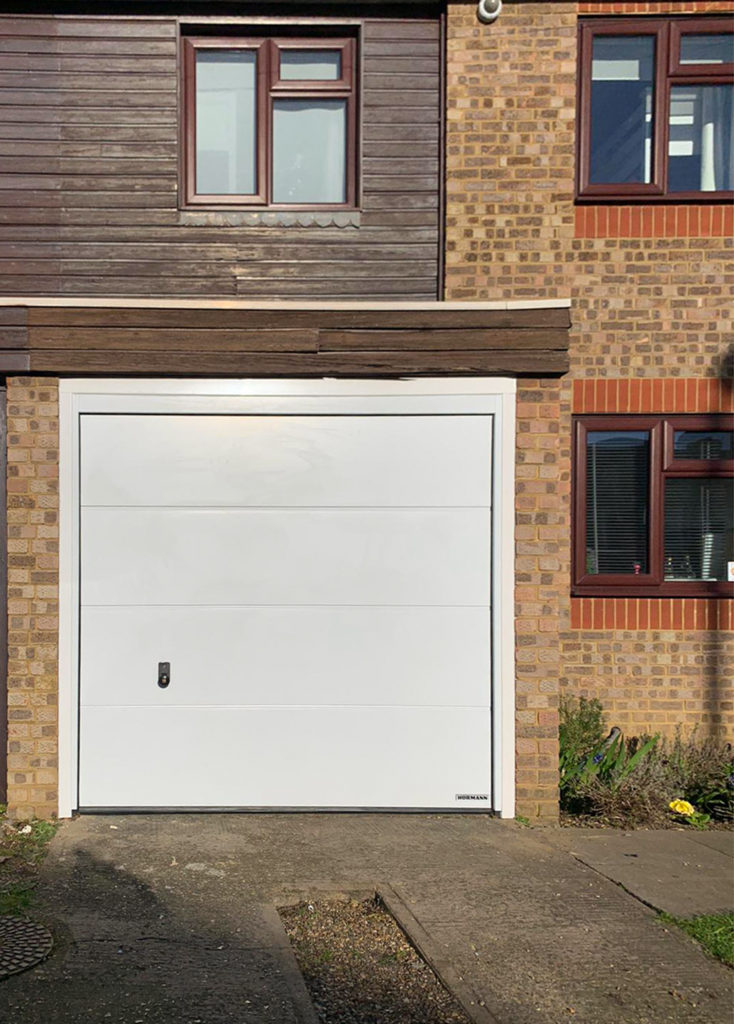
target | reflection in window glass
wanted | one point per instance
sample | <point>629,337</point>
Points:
<point>617,488</point>
<point>225,122</point>
<point>310,65</point>
<point>309,151</point>
<point>622,77</point>
<point>707,49</point>
<point>703,444</point>
<point>699,529</point>
<point>700,155</point>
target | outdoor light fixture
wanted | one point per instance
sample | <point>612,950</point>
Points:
<point>489,10</point>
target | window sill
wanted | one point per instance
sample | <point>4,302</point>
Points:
<point>672,588</point>
<point>648,199</point>
<point>270,218</point>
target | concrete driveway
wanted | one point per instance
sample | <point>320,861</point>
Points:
<point>171,918</point>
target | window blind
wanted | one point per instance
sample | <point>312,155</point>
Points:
<point>699,528</point>
<point>617,488</point>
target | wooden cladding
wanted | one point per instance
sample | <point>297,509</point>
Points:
<point>287,342</point>
<point>89,185</point>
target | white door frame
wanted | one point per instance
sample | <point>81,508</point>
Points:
<point>493,396</point>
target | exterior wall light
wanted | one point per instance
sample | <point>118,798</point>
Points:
<point>489,10</point>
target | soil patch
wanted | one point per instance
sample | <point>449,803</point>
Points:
<point>360,968</point>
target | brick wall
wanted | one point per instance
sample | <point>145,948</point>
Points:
<point>33,531</point>
<point>509,218</point>
<point>650,290</point>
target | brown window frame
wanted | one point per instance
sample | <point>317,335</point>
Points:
<point>668,72</point>
<point>269,87</point>
<point>663,466</point>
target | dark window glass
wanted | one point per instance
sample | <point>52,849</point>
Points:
<point>700,154</point>
<point>699,528</point>
<point>622,77</point>
<point>703,444</point>
<point>716,48</point>
<point>617,489</point>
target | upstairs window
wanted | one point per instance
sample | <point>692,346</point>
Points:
<point>654,505</point>
<point>655,118</point>
<point>269,122</point>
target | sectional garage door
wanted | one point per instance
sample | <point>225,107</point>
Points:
<point>319,585</point>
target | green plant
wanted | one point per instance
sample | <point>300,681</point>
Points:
<point>633,781</point>
<point>715,932</point>
<point>704,771</point>
<point>15,898</point>
<point>581,728</point>
<point>580,732</point>
<point>590,764</point>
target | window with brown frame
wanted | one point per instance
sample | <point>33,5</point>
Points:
<point>653,505</point>
<point>655,109</point>
<point>269,122</point>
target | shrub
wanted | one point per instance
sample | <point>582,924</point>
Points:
<point>581,730</point>
<point>704,772</point>
<point>633,781</point>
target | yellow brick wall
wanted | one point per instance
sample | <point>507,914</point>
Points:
<point>509,223</point>
<point>650,298</point>
<point>33,609</point>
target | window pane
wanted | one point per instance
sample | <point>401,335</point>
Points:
<point>700,155</point>
<point>622,77</point>
<point>703,444</point>
<point>225,122</point>
<point>707,49</point>
<point>308,65</point>
<point>699,529</point>
<point>309,151</point>
<point>617,487</point>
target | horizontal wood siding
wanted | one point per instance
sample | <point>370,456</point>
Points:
<point>89,200</point>
<point>289,342</point>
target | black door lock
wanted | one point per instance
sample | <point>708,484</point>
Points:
<point>164,674</point>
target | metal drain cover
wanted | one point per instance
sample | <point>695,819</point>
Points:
<point>23,944</point>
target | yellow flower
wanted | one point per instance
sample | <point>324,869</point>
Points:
<point>682,807</point>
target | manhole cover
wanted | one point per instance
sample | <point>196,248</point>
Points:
<point>23,944</point>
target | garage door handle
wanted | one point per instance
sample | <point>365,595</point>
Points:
<point>164,674</point>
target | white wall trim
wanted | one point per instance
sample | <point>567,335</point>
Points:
<point>495,396</point>
<point>95,302</point>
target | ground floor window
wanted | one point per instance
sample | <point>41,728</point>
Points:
<point>654,505</point>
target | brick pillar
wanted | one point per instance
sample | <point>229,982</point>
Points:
<point>541,580</point>
<point>33,622</point>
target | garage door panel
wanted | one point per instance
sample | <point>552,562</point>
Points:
<point>298,757</point>
<point>286,461</point>
<point>286,656</point>
<point>265,556</point>
<point>321,588</point>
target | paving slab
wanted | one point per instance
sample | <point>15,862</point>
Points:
<point>170,918</point>
<point>682,873</point>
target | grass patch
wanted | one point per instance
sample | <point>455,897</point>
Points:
<point>715,932</point>
<point>22,849</point>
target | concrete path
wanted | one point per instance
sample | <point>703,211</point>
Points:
<point>169,920</point>
<point>684,873</point>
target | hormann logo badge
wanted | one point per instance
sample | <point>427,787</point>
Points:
<point>472,796</point>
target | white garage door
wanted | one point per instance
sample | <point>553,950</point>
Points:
<point>319,584</point>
